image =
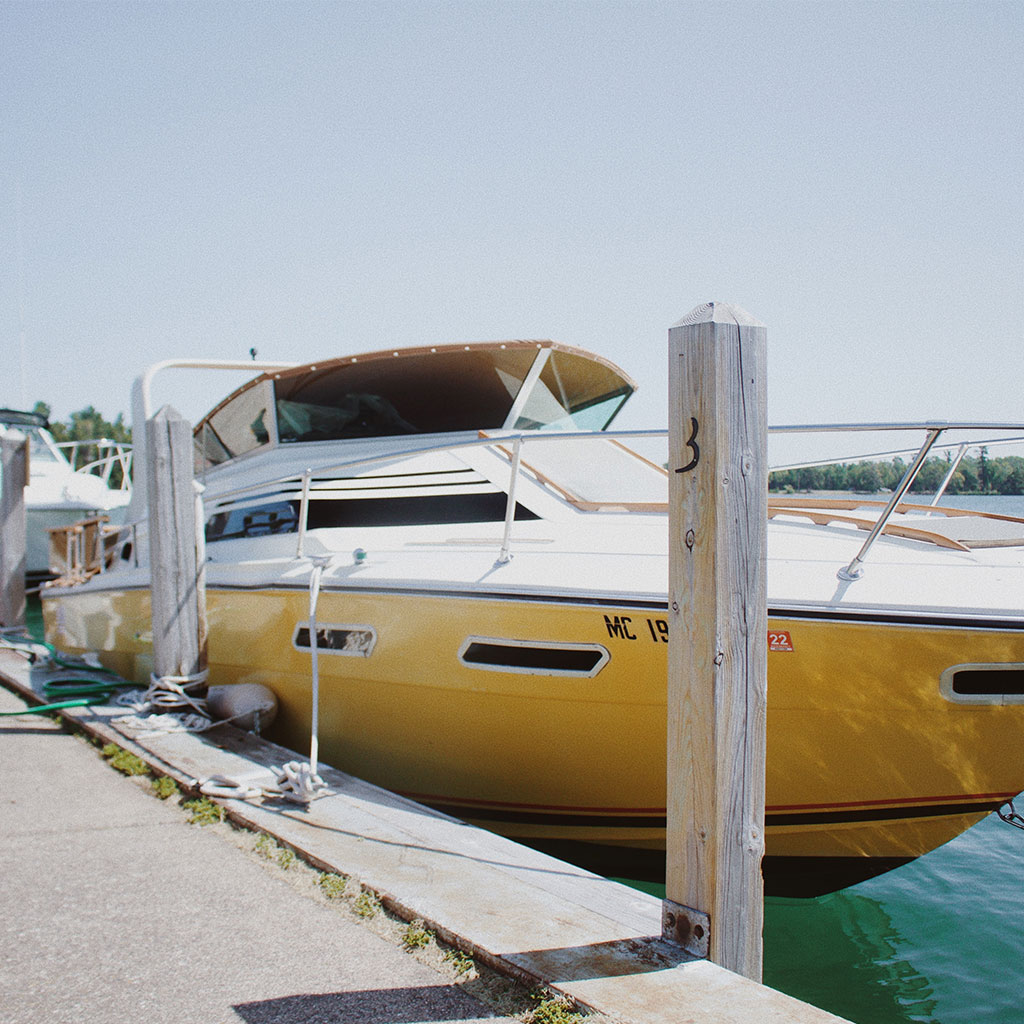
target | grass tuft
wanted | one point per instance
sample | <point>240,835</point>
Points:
<point>164,787</point>
<point>331,885</point>
<point>123,761</point>
<point>203,811</point>
<point>462,963</point>
<point>366,905</point>
<point>266,846</point>
<point>416,936</point>
<point>553,1011</point>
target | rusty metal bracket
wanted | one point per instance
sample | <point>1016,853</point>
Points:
<point>686,927</point>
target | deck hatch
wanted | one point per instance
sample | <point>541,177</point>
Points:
<point>984,683</point>
<point>352,641</point>
<point>533,657</point>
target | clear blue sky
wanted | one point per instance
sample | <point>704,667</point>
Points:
<point>313,179</point>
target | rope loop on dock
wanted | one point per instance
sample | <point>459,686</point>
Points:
<point>228,788</point>
<point>299,782</point>
<point>169,692</point>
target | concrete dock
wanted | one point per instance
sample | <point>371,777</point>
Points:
<point>116,909</point>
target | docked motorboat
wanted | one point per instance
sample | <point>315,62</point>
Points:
<point>491,626</point>
<point>58,494</point>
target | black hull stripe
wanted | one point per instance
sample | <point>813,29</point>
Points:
<point>546,818</point>
<point>842,817</point>
<point>895,619</point>
<point>879,814</point>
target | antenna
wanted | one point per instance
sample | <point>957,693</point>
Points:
<point>20,218</point>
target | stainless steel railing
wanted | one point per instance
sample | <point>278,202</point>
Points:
<point>302,482</point>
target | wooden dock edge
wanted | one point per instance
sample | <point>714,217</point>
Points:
<point>519,912</point>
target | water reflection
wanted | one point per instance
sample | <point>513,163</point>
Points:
<point>843,953</point>
<point>938,939</point>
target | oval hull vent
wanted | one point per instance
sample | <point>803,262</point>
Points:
<point>984,683</point>
<point>533,657</point>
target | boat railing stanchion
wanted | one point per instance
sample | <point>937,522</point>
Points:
<point>505,555</point>
<point>314,730</point>
<point>953,467</point>
<point>303,513</point>
<point>853,571</point>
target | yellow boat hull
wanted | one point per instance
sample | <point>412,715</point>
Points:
<point>865,755</point>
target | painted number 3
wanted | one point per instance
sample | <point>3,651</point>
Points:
<point>692,445</point>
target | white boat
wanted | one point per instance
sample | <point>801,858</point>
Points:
<point>57,493</point>
<point>492,612</point>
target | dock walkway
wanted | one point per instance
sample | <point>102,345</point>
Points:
<point>95,862</point>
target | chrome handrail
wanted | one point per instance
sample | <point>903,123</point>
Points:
<point>505,554</point>
<point>893,452</point>
<point>117,453</point>
<point>953,467</point>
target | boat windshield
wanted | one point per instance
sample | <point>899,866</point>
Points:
<point>38,448</point>
<point>41,447</point>
<point>573,392</point>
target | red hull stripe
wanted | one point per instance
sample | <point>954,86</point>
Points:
<point>986,799</point>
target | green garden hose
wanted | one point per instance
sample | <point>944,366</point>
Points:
<point>44,708</point>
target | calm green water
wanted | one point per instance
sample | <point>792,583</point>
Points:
<point>940,939</point>
<point>34,617</point>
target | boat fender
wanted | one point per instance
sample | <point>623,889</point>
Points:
<point>250,706</point>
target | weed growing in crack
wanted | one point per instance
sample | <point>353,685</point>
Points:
<point>366,905</point>
<point>331,885</point>
<point>125,762</point>
<point>416,936</point>
<point>203,811</point>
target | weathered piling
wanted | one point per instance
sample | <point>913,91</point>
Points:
<point>717,687</point>
<point>13,478</point>
<point>175,543</point>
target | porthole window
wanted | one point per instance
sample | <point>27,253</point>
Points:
<point>351,641</point>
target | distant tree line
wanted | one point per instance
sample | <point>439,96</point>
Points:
<point>89,425</point>
<point>975,475</point>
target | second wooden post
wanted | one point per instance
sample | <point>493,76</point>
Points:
<point>177,580</point>
<point>13,478</point>
<point>718,625</point>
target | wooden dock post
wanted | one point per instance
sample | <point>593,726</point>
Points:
<point>718,626</point>
<point>177,574</point>
<point>13,538</point>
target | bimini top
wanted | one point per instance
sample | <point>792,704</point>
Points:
<point>513,385</point>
